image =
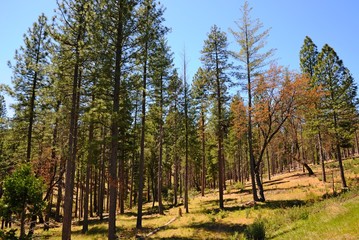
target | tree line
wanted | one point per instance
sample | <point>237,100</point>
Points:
<point>107,122</point>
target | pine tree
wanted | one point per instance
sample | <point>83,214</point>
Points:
<point>308,61</point>
<point>150,29</point>
<point>30,75</point>
<point>200,97</point>
<point>251,42</point>
<point>70,32</point>
<point>215,60</point>
<point>161,65</point>
<point>338,106</point>
<point>308,57</point>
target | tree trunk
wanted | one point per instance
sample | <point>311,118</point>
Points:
<point>259,184</point>
<point>160,206</point>
<point>250,137</point>
<point>142,144</point>
<point>268,165</point>
<point>203,179</point>
<point>175,187</point>
<point>87,183</point>
<point>22,223</point>
<point>186,137</point>
<point>32,103</point>
<point>310,171</point>
<point>220,133</point>
<point>134,153</point>
<point>71,160</point>
<point>321,156</point>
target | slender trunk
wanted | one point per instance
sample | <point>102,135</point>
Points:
<point>87,183</point>
<point>203,152</point>
<point>121,175</point>
<point>93,190</point>
<point>250,137</point>
<point>175,187</point>
<point>142,144</point>
<point>310,171</point>
<point>22,223</point>
<point>77,193</point>
<point>134,153</point>
<point>220,134</point>
<point>338,152</point>
<point>186,136</point>
<point>71,160</point>
<point>32,102</point>
<point>321,156</point>
<point>58,201</point>
<point>160,206</point>
<point>268,164</point>
<point>101,194</point>
<point>259,184</point>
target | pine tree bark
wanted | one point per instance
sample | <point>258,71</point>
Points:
<point>203,138</point>
<point>113,181</point>
<point>71,160</point>
<point>321,156</point>
<point>186,138</point>
<point>220,133</point>
<point>159,188</point>
<point>142,144</point>
<point>87,183</point>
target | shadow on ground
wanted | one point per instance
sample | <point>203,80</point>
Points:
<point>275,204</point>
<point>218,227</point>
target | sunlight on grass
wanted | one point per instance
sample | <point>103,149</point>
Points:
<point>294,210</point>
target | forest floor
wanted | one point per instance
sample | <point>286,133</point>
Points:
<point>297,206</point>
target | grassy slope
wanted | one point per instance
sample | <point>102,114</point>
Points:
<point>294,210</point>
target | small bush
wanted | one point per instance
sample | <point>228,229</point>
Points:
<point>311,197</point>
<point>240,186</point>
<point>235,236</point>
<point>222,214</point>
<point>256,231</point>
<point>8,235</point>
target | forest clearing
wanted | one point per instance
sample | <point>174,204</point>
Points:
<point>298,206</point>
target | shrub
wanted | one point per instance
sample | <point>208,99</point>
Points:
<point>235,236</point>
<point>8,235</point>
<point>256,231</point>
<point>240,186</point>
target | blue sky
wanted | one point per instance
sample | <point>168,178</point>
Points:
<point>325,21</point>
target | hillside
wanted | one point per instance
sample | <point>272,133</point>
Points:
<point>297,207</point>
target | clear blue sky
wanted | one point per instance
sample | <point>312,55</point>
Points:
<point>325,21</point>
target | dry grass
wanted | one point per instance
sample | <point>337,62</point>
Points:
<point>283,192</point>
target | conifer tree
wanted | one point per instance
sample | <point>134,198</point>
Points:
<point>308,61</point>
<point>338,106</point>
<point>70,32</point>
<point>215,59</point>
<point>150,29</point>
<point>30,75</point>
<point>200,97</point>
<point>251,42</point>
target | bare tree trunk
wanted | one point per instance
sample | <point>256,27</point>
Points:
<point>203,151</point>
<point>321,156</point>
<point>160,205</point>
<point>186,136</point>
<point>88,172</point>
<point>71,160</point>
<point>219,134</point>
<point>268,165</point>
<point>142,144</point>
<point>338,153</point>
